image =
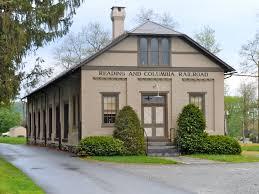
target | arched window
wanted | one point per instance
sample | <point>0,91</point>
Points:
<point>165,51</point>
<point>143,47</point>
<point>154,51</point>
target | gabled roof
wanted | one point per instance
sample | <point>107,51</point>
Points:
<point>150,27</point>
<point>147,28</point>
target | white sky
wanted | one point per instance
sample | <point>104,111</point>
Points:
<point>235,22</point>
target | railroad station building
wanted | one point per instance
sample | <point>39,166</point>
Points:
<point>154,69</point>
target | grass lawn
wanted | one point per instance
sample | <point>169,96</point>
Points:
<point>132,159</point>
<point>13,140</point>
<point>250,147</point>
<point>244,157</point>
<point>13,181</point>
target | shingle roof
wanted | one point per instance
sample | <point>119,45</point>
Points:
<point>150,27</point>
<point>147,28</point>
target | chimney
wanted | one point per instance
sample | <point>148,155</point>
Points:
<point>117,16</point>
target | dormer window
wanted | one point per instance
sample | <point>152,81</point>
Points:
<point>154,51</point>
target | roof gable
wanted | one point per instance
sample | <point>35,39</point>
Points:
<point>150,27</point>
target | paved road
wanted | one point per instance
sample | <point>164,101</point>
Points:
<point>58,172</point>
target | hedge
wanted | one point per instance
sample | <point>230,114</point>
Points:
<point>100,146</point>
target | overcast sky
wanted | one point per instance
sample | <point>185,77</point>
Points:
<point>235,22</point>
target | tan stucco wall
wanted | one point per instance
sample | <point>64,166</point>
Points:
<point>130,89</point>
<point>125,54</point>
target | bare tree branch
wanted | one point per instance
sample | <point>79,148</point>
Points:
<point>77,47</point>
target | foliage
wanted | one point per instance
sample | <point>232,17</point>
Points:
<point>8,119</point>
<point>247,92</point>
<point>219,144</point>
<point>13,140</point>
<point>77,47</point>
<point>191,137</point>
<point>134,159</point>
<point>206,38</point>
<point>164,18</point>
<point>15,181</point>
<point>100,146</point>
<point>191,125</point>
<point>191,120</point>
<point>233,106</point>
<point>129,130</point>
<point>25,26</point>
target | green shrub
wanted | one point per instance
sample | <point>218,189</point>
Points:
<point>100,146</point>
<point>190,134</point>
<point>128,129</point>
<point>191,137</point>
<point>191,120</point>
<point>219,144</point>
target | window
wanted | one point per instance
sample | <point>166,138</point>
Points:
<point>165,51</point>
<point>198,99</point>
<point>154,51</point>
<point>110,108</point>
<point>50,123</point>
<point>143,51</point>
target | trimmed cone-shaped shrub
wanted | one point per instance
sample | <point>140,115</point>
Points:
<point>191,120</point>
<point>190,133</point>
<point>129,130</point>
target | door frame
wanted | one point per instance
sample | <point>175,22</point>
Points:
<point>161,93</point>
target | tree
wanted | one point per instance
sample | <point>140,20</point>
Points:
<point>149,14</point>
<point>24,27</point>
<point>8,119</point>
<point>206,38</point>
<point>77,47</point>
<point>31,79</point>
<point>250,54</point>
<point>247,92</point>
<point>233,105</point>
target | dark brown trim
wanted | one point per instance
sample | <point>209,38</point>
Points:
<point>155,68</point>
<point>165,105</point>
<point>65,140</point>
<point>105,94</point>
<point>56,139</point>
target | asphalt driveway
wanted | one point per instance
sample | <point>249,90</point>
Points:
<point>59,173</point>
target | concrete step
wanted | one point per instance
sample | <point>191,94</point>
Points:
<point>162,143</point>
<point>161,147</point>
